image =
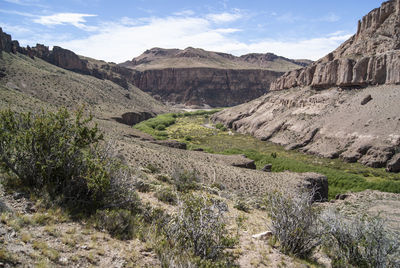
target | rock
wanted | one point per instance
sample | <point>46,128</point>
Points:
<point>377,157</point>
<point>341,196</point>
<point>17,195</point>
<point>132,118</point>
<point>367,99</point>
<point>394,164</point>
<point>263,236</point>
<point>171,143</point>
<point>267,168</point>
<point>240,161</point>
<point>318,183</point>
<point>198,150</point>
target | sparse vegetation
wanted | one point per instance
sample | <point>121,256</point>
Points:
<point>167,195</point>
<point>198,232</point>
<point>360,242</point>
<point>185,181</point>
<point>295,223</point>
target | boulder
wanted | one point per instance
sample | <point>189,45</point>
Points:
<point>132,118</point>
<point>316,183</point>
<point>267,168</point>
<point>171,144</point>
<point>366,99</point>
<point>239,161</point>
<point>394,164</point>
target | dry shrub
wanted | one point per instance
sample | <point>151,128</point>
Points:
<point>294,222</point>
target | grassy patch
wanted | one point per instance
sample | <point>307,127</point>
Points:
<point>157,126</point>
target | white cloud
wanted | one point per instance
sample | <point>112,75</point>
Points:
<point>184,13</point>
<point>75,19</point>
<point>119,42</point>
<point>224,17</point>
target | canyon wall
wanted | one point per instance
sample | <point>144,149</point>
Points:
<point>205,86</point>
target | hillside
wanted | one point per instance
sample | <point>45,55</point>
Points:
<point>344,105</point>
<point>196,77</point>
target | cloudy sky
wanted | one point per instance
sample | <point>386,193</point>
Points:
<point>120,30</point>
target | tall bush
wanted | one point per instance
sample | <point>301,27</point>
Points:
<point>55,153</point>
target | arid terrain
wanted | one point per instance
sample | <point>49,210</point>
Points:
<point>326,137</point>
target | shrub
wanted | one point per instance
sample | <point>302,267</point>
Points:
<point>361,242</point>
<point>185,181</point>
<point>160,127</point>
<point>118,222</point>
<point>294,222</point>
<point>242,205</point>
<point>166,195</point>
<point>198,230</point>
<point>152,168</point>
<point>219,125</point>
<point>62,157</point>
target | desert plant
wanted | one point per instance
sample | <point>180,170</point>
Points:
<point>118,222</point>
<point>198,230</point>
<point>242,205</point>
<point>294,222</point>
<point>219,125</point>
<point>360,242</point>
<point>166,195</point>
<point>62,157</point>
<point>185,180</point>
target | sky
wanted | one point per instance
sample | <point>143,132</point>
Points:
<point>117,31</point>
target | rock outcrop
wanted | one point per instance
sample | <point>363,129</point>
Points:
<point>205,86</point>
<point>370,57</point>
<point>132,118</point>
<point>204,78</point>
<point>355,118</point>
<point>68,60</point>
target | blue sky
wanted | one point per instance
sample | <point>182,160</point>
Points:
<point>120,30</point>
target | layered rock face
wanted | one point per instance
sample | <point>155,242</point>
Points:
<point>205,78</point>
<point>370,57</point>
<point>356,118</point>
<point>205,86</point>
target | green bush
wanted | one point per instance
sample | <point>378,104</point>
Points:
<point>61,157</point>
<point>242,205</point>
<point>119,223</point>
<point>160,127</point>
<point>219,125</point>
<point>185,181</point>
<point>167,195</point>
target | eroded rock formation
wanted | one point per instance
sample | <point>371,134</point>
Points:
<point>370,57</point>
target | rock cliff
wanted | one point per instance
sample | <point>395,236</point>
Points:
<point>199,77</point>
<point>370,57</point>
<point>344,105</point>
<point>205,86</point>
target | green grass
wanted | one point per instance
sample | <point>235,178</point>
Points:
<point>342,176</point>
<point>157,126</point>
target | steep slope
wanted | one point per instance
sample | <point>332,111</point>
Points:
<point>198,77</point>
<point>27,82</point>
<point>356,118</point>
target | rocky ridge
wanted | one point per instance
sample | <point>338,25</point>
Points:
<point>198,77</point>
<point>356,118</point>
<point>68,60</point>
<point>370,57</point>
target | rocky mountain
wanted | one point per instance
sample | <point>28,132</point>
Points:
<point>344,105</point>
<point>198,77</point>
